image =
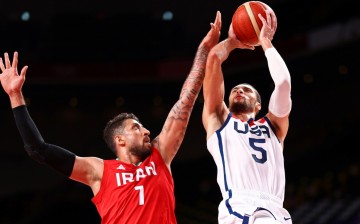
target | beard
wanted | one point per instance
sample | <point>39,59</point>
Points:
<point>241,107</point>
<point>141,151</point>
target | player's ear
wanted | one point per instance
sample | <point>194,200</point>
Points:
<point>119,140</point>
<point>257,107</point>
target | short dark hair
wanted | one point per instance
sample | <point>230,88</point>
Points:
<point>115,126</point>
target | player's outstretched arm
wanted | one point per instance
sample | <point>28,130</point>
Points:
<point>59,159</point>
<point>173,131</point>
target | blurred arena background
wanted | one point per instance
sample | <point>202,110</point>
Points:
<point>89,60</point>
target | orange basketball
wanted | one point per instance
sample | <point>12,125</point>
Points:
<point>246,22</point>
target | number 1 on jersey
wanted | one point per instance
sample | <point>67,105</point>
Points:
<point>141,194</point>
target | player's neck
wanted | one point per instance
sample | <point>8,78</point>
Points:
<point>244,116</point>
<point>127,157</point>
<point>135,164</point>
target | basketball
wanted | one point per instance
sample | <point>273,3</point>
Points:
<point>246,22</point>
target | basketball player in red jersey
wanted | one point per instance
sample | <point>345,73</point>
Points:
<point>137,187</point>
<point>248,153</point>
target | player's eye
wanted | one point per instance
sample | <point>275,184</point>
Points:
<point>136,127</point>
<point>247,90</point>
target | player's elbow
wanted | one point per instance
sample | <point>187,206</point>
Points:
<point>34,151</point>
<point>284,85</point>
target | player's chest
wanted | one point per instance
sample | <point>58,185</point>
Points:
<point>243,129</point>
<point>124,175</point>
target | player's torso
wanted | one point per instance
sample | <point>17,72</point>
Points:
<point>136,194</point>
<point>248,156</point>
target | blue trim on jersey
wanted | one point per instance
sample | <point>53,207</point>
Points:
<point>264,209</point>
<point>272,127</point>
<point>225,123</point>
<point>221,147</point>
<point>222,157</point>
<point>245,217</point>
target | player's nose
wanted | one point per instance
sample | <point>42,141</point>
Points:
<point>146,131</point>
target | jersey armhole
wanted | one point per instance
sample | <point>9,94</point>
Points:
<point>225,123</point>
<point>97,198</point>
<point>272,127</point>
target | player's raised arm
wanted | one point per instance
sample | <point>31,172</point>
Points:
<point>280,101</point>
<point>53,156</point>
<point>215,109</point>
<point>173,131</point>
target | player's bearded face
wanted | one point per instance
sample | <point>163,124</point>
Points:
<point>141,150</point>
<point>137,139</point>
<point>242,106</point>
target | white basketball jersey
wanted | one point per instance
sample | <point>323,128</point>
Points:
<point>249,158</point>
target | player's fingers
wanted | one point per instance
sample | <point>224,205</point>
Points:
<point>262,19</point>
<point>7,60</point>
<point>15,60</point>
<point>268,18</point>
<point>2,67</point>
<point>273,20</point>
<point>250,47</point>
<point>23,71</point>
<point>231,28</point>
<point>218,20</point>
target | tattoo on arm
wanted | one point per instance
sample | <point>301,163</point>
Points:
<point>193,82</point>
<point>182,109</point>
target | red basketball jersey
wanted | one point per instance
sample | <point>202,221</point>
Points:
<point>136,194</point>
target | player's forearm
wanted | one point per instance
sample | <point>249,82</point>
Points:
<point>223,49</point>
<point>213,88</point>
<point>178,118</point>
<point>53,156</point>
<point>280,101</point>
<point>278,69</point>
<point>193,82</point>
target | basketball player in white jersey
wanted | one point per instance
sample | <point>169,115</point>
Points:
<point>248,152</point>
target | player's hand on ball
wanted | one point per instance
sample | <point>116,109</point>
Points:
<point>235,40</point>
<point>269,26</point>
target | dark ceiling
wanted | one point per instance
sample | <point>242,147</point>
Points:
<point>70,39</point>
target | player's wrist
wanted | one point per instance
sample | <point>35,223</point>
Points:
<point>16,100</point>
<point>265,43</point>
